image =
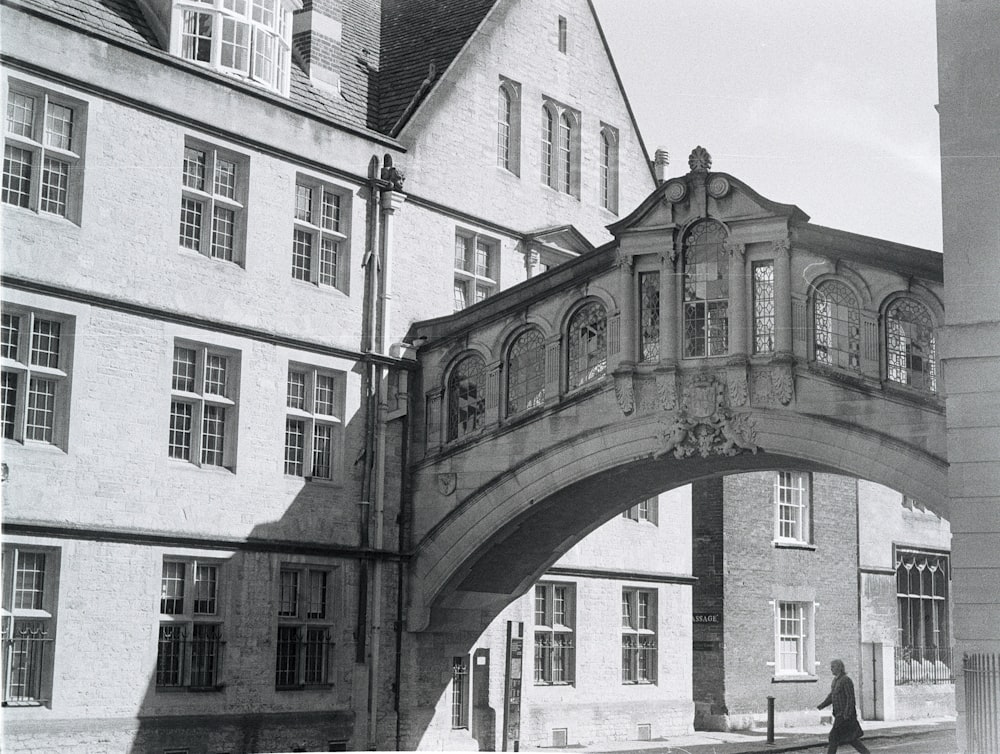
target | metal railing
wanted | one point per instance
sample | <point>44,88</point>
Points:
<point>982,702</point>
<point>27,651</point>
<point>924,665</point>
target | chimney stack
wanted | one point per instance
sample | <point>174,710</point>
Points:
<point>316,41</point>
<point>660,163</point>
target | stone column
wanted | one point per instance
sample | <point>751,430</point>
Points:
<point>553,367</point>
<point>493,409</point>
<point>738,314</point>
<point>434,420</point>
<point>626,315</point>
<point>670,311</point>
<point>782,298</point>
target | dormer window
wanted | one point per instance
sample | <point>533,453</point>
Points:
<point>247,38</point>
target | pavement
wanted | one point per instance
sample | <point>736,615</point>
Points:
<point>755,740</point>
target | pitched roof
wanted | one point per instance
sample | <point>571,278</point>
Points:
<point>415,34</point>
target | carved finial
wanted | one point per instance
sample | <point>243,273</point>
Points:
<point>392,174</point>
<point>700,160</point>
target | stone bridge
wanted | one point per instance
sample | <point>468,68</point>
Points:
<point>719,332</point>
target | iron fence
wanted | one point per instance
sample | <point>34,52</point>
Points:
<point>27,652</point>
<point>981,672</point>
<point>924,665</point>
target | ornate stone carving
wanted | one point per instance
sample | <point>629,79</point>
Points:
<point>625,392</point>
<point>704,426</point>
<point>447,482</point>
<point>772,385</point>
<point>666,390</point>
<point>737,383</point>
<point>700,160</point>
<point>392,175</point>
<point>626,260</point>
<point>781,245</point>
<point>735,249</point>
<point>675,191</point>
<point>718,186</point>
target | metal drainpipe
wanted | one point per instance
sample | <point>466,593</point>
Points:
<point>389,200</point>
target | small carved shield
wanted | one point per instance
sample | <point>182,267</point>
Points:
<point>447,483</point>
<point>703,398</point>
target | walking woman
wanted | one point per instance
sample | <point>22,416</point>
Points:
<point>846,728</point>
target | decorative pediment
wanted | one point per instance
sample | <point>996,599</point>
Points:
<point>701,193</point>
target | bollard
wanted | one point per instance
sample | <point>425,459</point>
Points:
<point>770,719</point>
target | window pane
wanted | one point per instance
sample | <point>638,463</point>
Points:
<point>322,461</point>
<point>196,36</point>
<point>11,335</point>
<point>172,588</point>
<point>41,410</point>
<point>9,390</point>
<point>45,336</point>
<point>215,374</point>
<point>184,369</point>
<point>548,136</point>
<point>225,178</point>
<point>315,662</point>
<point>325,395</point>
<point>466,397</point>
<point>317,594</point>
<point>911,345</point>
<point>287,656</point>
<point>179,445</point>
<point>541,618</point>
<point>235,52</point>
<point>195,161</point>
<point>706,291</point>
<point>59,126</point>
<point>29,581</point>
<point>331,211</point>
<point>55,187</point>
<point>170,652</point>
<point>303,203</point>
<point>503,129</point>
<point>20,114</point>
<point>460,295</point>
<point>288,594</point>
<point>295,444</point>
<point>763,307</point>
<point>329,251</point>
<point>302,255</point>
<point>484,256</point>
<point>264,57</point>
<point>463,248</point>
<point>205,585</point>
<point>205,655</point>
<point>649,303</point>
<point>213,435</point>
<point>566,149</point>
<point>191,223</point>
<point>587,345</point>
<point>296,389</point>
<point>223,233</point>
<point>526,372</point>
<point>17,176</point>
<point>837,326</point>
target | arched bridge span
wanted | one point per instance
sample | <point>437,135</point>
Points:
<point>720,332</point>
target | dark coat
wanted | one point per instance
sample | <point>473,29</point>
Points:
<point>846,727</point>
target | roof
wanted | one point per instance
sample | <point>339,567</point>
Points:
<point>415,35</point>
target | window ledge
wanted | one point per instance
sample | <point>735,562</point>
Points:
<point>794,679</point>
<point>310,687</point>
<point>780,544</point>
<point>37,446</point>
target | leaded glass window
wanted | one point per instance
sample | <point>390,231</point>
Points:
<point>466,397</point>
<point>588,345</point>
<point>911,345</point>
<point>763,307</point>
<point>649,315</point>
<point>706,291</point>
<point>526,372</point>
<point>837,326</point>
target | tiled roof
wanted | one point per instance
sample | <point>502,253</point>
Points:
<point>118,18</point>
<point>416,33</point>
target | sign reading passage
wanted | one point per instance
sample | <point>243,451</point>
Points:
<point>715,618</point>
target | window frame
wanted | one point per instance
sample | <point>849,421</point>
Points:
<point>280,32</point>
<point>762,332</point>
<point>930,377</point>
<point>639,634</point>
<point>455,429</point>
<point>189,618</point>
<point>303,623</point>
<point>833,357</point>
<point>319,233</point>
<point>608,168</point>
<point>805,658</point>
<point>912,621</point>
<point>509,126</point>
<point>798,484</point>
<point>459,692</point>
<point>560,147</point>
<point>73,157</point>
<point>25,372</point>
<point>468,275</point>
<point>525,378</point>
<point>554,639</point>
<point>311,419</point>
<point>41,626</point>
<point>200,398</point>
<point>211,201</point>
<point>589,368</point>
<point>705,305</point>
<point>647,510</point>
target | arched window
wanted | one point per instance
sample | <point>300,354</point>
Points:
<point>836,326</point>
<point>566,153</point>
<point>588,345</point>
<point>466,397</point>
<point>503,128</point>
<point>911,349</point>
<point>706,291</point>
<point>526,372</point>
<point>548,137</point>
<point>609,169</point>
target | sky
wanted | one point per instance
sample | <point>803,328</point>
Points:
<point>825,105</point>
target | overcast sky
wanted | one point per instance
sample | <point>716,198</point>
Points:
<point>825,105</point>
